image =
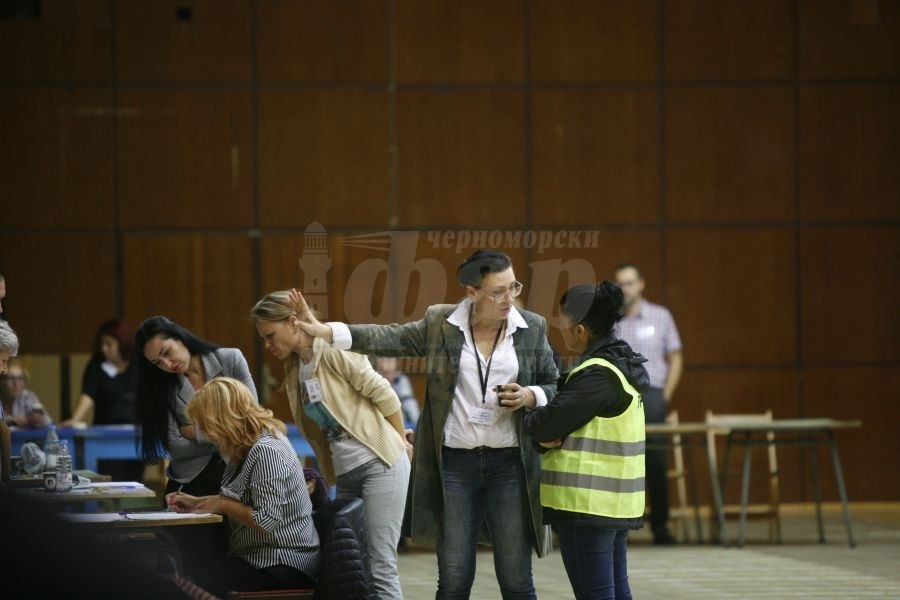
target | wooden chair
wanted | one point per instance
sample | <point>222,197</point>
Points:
<point>769,511</point>
<point>682,511</point>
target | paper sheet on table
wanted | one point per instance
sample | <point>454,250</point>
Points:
<point>160,515</point>
<point>135,516</point>
<point>116,484</point>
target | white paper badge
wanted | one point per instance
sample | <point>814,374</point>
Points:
<point>646,332</point>
<point>482,416</point>
<point>314,390</point>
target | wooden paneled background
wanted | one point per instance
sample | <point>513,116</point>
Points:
<point>168,156</point>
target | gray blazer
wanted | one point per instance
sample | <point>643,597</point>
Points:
<point>189,457</point>
<point>441,343</point>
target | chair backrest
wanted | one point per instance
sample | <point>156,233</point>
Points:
<point>345,573</point>
<point>764,417</point>
<point>682,513</point>
<point>678,457</point>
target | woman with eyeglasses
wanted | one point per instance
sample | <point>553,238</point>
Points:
<point>475,475</point>
<point>592,480</point>
<point>21,406</point>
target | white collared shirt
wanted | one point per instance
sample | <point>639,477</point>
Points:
<point>458,431</point>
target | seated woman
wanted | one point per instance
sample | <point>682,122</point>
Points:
<point>21,406</point>
<point>108,388</point>
<point>274,544</point>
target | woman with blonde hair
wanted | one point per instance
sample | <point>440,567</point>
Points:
<point>274,544</point>
<point>352,419</point>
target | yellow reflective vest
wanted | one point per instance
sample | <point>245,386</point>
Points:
<point>599,469</point>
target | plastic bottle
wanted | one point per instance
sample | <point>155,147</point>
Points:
<point>63,468</point>
<point>51,448</point>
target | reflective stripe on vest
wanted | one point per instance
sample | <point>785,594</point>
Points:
<point>599,469</point>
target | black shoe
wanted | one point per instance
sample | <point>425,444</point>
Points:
<point>665,539</point>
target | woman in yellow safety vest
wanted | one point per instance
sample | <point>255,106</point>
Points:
<point>592,432</point>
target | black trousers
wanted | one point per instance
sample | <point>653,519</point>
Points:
<point>234,573</point>
<point>655,410</point>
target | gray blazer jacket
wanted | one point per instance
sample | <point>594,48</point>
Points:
<point>188,457</point>
<point>440,342</point>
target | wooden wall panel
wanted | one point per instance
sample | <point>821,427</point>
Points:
<point>324,156</point>
<point>864,264</point>
<point>56,151</point>
<point>729,39</point>
<point>870,453</point>
<point>70,41</point>
<point>185,158</point>
<point>460,41</point>
<point>729,154</point>
<point>732,293</point>
<point>438,259</point>
<point>322,41</point>
<point>59,288</point>
<point>738,390</point>
<point>849,38</point>
<point>595,156</point>
<point>849,152</point>
<point>595,40</point>
<point>462,150</point>
<point>551,272</point>
<point>281,257</point>
<point>203,282</point>
<point>174,41</point>
<point>374,277</point>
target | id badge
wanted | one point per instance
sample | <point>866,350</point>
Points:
<point>482,416</point>
<point>314,390</point>
<point>645,333</point>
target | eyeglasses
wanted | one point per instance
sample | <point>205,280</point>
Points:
<point>14,377</point>
<point>499,296</point>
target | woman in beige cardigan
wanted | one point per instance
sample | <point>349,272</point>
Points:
<point>352,419</point>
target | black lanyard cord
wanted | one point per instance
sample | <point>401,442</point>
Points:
<point>483,378</point>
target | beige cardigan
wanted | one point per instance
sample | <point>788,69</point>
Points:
<point>357,397</point>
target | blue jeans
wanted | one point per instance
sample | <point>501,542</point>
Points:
<point>595,561</point>
<point>383,490</point>
<point>484,486</point>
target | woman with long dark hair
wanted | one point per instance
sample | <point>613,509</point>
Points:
<point>108,388</point>
<point>172,364</point>
<point>110,378</point>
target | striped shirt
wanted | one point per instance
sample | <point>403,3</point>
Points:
<point>651,332</point>
<point>271,481</point>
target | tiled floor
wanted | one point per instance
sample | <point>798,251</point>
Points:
<point>797,568</point>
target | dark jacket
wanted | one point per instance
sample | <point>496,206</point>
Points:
<point>345,573</point>
<point>441,342</point>
<point>594,391</point>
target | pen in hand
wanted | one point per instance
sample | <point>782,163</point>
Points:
<point>171,503</point>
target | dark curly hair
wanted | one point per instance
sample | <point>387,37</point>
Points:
<point>598,307</point>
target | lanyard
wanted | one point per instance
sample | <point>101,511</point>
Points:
<point>483,379</point>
